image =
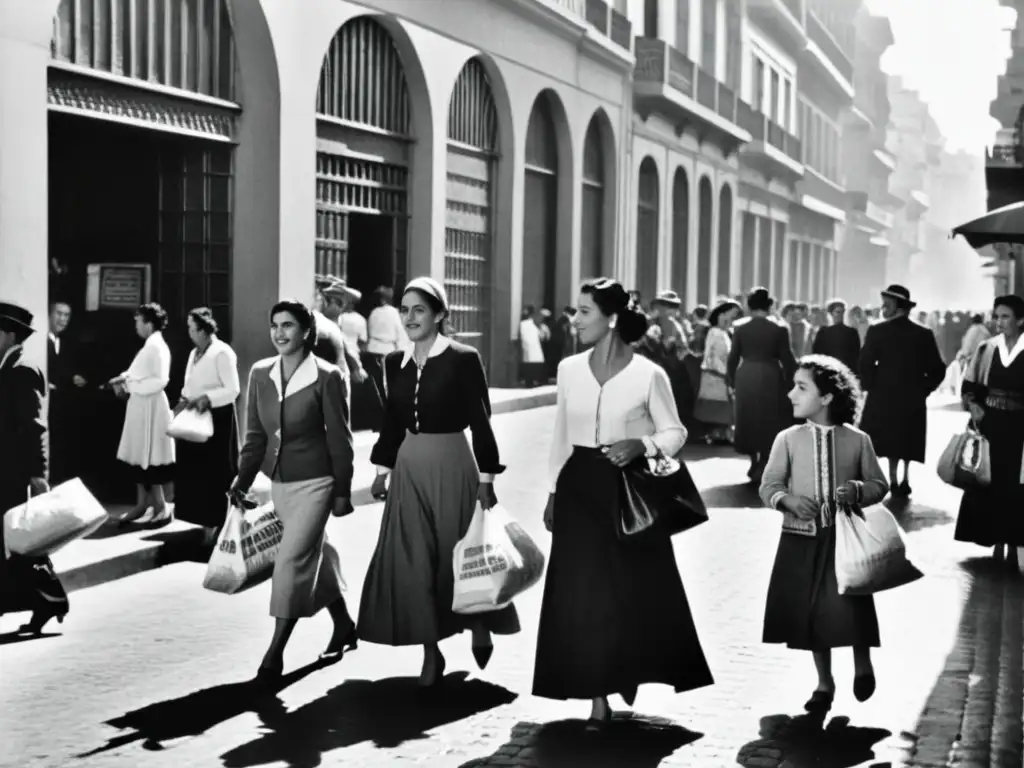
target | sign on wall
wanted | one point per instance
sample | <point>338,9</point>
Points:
<point>117,286</point>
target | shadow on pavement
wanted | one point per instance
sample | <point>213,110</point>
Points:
<point>738,495</point>
<point>916,517</point>
<point>806,742</point>
<point>981,679</point>
<point>385,712</point>
<point>11,638</point>
<point>197,712</point>
<point>629,741</point>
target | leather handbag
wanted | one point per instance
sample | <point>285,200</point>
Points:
<point>658,498</point>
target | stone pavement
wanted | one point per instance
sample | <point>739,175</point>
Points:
<point>146,670</point>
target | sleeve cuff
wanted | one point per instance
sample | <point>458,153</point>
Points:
<point>650,449</point>
<point>383,470</point>
<point>486,477</point>
<point>776,498</point>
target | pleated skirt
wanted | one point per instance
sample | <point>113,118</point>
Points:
<point>614,614</point>
<point>407,594</point>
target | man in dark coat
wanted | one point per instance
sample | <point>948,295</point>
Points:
<point>26,583</point>
<point>838,340</point>
<point>67,406</point>
<point>900,366</point>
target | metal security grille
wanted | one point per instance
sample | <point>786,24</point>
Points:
<point>183,44</point>
<point>349,184</point>
<point>468,240</point>
<point>194,267</point>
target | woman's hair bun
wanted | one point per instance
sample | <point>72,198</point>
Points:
<point>631,324</point>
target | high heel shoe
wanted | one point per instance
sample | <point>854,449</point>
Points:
<point>482,654</point>
<point>336,651</point>
<point>39,620</point>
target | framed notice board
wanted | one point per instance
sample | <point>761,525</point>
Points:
<point>117,286</point>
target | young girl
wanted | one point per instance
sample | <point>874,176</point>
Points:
<point>817,470</point>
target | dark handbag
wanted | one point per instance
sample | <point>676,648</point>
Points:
<point>658,497</point>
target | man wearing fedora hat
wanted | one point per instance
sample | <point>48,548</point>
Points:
<point>26,583</point>
<point>899,366</point>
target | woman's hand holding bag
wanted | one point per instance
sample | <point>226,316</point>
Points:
<point>485,495</point>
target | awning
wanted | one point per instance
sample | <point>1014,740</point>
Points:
<point>1003,225</point>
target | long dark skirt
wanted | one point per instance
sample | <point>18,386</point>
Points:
<point>804,609</point>
<point>614,613</point>
<point>407,595</point>
<point>995,515</point>
<point>204,472</point>
<point>28,583</point>
<point>762,410</point>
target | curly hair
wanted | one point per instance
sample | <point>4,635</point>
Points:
<point>832,377</point>
<point>153,314</point>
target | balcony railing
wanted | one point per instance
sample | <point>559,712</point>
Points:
<point>608,21</point>
<point>763,128</point>
<point>659,62</point>
<point>577,7</point>
<point>820,36</point>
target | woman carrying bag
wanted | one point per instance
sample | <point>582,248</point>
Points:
<point>205,469</point>
<point>714,405</point>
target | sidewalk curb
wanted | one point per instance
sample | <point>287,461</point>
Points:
<point>154,549</point>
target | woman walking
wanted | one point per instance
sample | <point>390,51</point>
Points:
<point>715,399</point>
<point>815,471</point>
<point>145,446</point>
<point>760,368</point>
<point>205,470</point>
<point>297,432</point>
<point>614,613</point>
<point>436,389</point>
<point>993,391</point>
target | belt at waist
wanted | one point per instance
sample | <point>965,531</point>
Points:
<point>1004,400</point>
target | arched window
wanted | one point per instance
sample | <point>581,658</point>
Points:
<point>680,231</point>
<point>540,214</point>
<point>725,241</point>
<point>647,230</point>
<point>706,201</point>
<point>592,202</point>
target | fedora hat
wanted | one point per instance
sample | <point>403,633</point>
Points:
<point>900,293</point>
<point>339,289</point>
<point>15,318</point>
<point>668,298</point>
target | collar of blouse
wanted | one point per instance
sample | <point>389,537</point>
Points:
<point>440,344</point>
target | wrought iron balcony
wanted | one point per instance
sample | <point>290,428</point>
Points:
<point>814,185</point>
<point>609,22</point>
<point>781,18</point>
<point>772,149</point>
<point>668,83</point>
<point>822,44</point>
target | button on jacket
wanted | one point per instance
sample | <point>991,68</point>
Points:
<point>298,432</point>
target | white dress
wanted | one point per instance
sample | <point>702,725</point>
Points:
<point>144,440</point>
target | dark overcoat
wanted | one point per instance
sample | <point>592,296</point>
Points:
<point>900,366</point>
<point>23,439</point>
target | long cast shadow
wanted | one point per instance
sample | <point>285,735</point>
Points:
<point>196,713</point>
<point>385,712</point>
<point>805,741</point>
<point>629,741</point>
<point>916,517</point>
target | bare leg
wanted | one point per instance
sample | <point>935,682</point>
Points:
<point>433,665</point>
<point>894,465</point>
<point>600,710</point>
<point>823,665</point>
<point>343,637</point>
<point>274,657</point>
<point>906,475</point>
<point>141,504</point>
<point>156,493</point>
<point>862,661</point>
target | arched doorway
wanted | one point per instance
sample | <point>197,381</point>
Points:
<point>592,202</point>
<point>647,203</point>
<point>540,207</point>
<point>706,202</point>
<point>141,131</point>
<point>469,233</point>
<point>725,241</point>
<point>680,231</point>
<point>362,102</point>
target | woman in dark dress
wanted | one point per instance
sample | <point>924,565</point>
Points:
<point>436,388</point>
<point>814,468</point>
<point>993,391</point>
<point>205,470</point>
<point>614,614</point>
<point>760,370</point>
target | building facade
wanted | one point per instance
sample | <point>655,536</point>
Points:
<point>221,153</point>
<point>870,206</point>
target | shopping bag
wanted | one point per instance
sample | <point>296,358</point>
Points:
<point>495,561</point>
<point>871,555</point>
<point>45,523</point>
<point>246,549</point>
<point>966,462</point>
<point>192,426</point>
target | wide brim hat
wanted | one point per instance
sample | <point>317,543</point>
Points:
<point>15,318</point>
<point>901,294</point>
<point>339,289</point>
<point>668,299</point>
<point>720,308</point>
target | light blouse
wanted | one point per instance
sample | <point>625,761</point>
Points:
<point>636,403</point>
<point>215,374</point>
<point>717,346</point>
<point>150,371</point>
<point>385,330</point>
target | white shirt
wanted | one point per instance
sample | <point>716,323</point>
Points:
<point>150,371</point>
<point>635,403</point>
<point>215,374</point>
<point>529,337</point>
<point>56,342</point>
<point>385,331</point>
<point>353,327</point>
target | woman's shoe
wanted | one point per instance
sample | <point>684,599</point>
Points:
<point>864,686</point>
<point>39,620</point>
<point>336,650</point>
<point>820,701</point>
<point>434,684</point>
<point>266,676</point>
<point>482,654</point>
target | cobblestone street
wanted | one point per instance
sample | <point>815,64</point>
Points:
<point>146,672</point>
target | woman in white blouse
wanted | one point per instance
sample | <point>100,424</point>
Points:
<point>145,446</point>
<point>205,470</point>
<point>614,613</point>
<point>714,399</point>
